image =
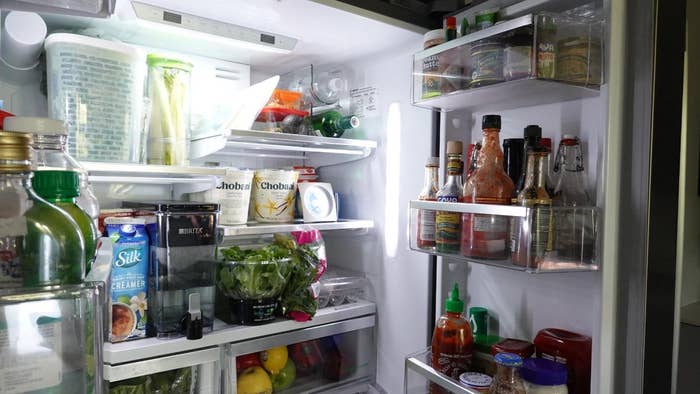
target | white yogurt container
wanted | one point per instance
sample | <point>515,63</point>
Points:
<point>232,193</point>
<point>274,195</point>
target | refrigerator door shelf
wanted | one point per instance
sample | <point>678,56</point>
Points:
<point>529,60</point>
<point>141,349</point>
<point>418,372</point>
<point>551,239</point>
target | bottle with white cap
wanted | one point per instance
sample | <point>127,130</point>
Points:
<point>51,153</point>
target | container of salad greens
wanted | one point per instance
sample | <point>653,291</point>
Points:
<point>250,282</point>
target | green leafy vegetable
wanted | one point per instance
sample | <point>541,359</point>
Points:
<point>296,295</point>
<point>253,274</point>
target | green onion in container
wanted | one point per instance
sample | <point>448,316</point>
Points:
<point>169,126</point>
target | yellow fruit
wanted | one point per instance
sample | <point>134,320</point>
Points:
<point>254,380</point>
<point>274,359</point>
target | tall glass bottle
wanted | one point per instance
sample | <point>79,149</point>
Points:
<point>39,244</point>
<point>485,236</point>
<point>513,157</point>
<point>574,227</point>
<point>426,218</point>
<point>546,143</point>
<point>532,135</point>
<point>507,380</point>
<point>61,188</point>
<point>534,239</point>
<point>570,189</point>
<point>50,143</point>
<point>447,223</point>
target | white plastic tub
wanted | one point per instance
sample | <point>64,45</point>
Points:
<point>96,86</point>
<point>232,193</point>
<point>274,195</point>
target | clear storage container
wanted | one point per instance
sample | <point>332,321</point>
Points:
<point>169,94</point>
<point>340,287</point>
<point>96,86</point>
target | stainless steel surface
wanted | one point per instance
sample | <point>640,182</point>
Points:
<point>118,353</point>
<point>525,20</point>
<point>417,363</point>
<point>490,209</point>
<point>268,228</point>
<point>283,339</point>
<point>508,95</point>
<point>115,373</point>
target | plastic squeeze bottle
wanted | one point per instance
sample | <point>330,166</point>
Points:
<point>452,343</point>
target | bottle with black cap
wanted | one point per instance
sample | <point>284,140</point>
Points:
<point>486,236</point>
<point>532,135</point>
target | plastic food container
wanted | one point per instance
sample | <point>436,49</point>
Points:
<point>476,381</point>
<point>274,195</point>
<point>232,194</point>
<point>338,288</point>
<point>542,376</point>
<point>169,120</point>
<point>96,86</point>
<point>571,349</point>
<point>248,291</point>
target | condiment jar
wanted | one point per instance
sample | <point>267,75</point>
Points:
<point>524,349</point>
<point>542,376</point>
<point>486,62</point>
<point>517,56</point>
<point>476,381</point>
<point>571,349</point>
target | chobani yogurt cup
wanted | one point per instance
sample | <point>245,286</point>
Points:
<point>232,193</point>
<point>274,195</point>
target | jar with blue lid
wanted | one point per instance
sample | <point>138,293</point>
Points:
<point>507,379</point>
<point>543,376</point>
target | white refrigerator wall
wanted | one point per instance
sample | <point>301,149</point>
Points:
<point>521,304</point>
<point>380,188</point>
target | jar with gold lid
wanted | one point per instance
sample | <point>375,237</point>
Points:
<point>40,245</point>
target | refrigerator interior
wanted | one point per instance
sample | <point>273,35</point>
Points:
<point>379,187</point>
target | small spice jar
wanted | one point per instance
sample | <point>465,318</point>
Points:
<point>476,381</point>
<point>578,60</point>
<point>486,62</point>
<point>431,65</point>
<point>542,376</point>
<point>517,56</point>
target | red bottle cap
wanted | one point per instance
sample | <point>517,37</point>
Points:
<point>451,21</point>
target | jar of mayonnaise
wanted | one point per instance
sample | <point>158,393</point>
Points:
<point>542,376</point>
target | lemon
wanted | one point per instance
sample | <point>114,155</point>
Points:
<point>254,380</point>
<point>274,359</point>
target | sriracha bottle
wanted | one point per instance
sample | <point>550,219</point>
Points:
<point>452,342</point>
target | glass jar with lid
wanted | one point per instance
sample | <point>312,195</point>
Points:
<point>40,245</point>
<point>50,146</point>
<point>486,62</point>
<point>507,380</point>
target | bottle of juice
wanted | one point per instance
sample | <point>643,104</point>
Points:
<point>486,236</point>
<point>61,189</point>
<point>447,223</point>
<point>453,342</point>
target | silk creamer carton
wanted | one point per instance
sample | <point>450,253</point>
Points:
<point>129,277</point>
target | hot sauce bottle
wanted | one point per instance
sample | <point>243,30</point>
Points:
<point>486,236</point>
<point>453,342</point>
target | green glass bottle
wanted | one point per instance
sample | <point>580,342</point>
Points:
<point>61,189</point>
<point>40,245</point>
<point>333,123</point>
